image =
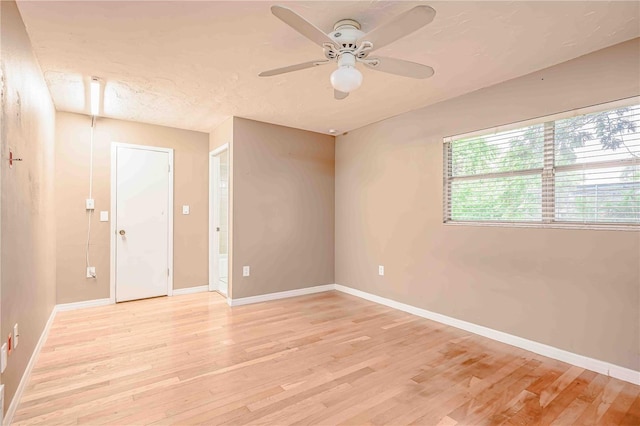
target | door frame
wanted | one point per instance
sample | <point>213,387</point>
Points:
<point>112,219</point>
<point>214,264</point>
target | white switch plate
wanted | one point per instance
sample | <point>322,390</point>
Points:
<point>185,209</point>
<point>3,357</point>
<point>246,271</point>
<point>380,270</point>
<point>90,203</point>
<point>104,216</point>
<point>15,336</point>
<point>91,272</point>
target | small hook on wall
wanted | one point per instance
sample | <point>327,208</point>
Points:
<point>12,159</point>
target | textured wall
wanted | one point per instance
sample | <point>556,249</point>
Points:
<point>577,290</point>
<point>283,204</point>
<point>27,191</point>
<point>190,249</point>
<point>221,134</point>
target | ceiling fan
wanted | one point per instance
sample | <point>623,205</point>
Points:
<point>347,45</point>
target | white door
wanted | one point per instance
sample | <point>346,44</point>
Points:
<point>143,194</point>
<point>219,220</point>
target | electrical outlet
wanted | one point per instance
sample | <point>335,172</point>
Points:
<point>380,270</point>
<point>1,404</point>
<point>90,204</point>
<point>185,210</point>
<point>4,353</point>
<point>246,271</point>
<point>104,216</point>
<point>15,336</point>
<point>91,272</point>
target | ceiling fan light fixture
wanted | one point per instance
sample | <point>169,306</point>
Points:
<point>348,44</point>
<point>346,79</point>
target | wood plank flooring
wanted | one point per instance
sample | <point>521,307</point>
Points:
<point>323,359</point>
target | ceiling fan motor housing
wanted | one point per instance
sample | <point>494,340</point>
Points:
<point>346,34</point>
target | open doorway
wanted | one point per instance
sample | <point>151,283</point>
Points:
<point>219,220</point>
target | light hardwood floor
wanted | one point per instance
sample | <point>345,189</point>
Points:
<point>323,359</point>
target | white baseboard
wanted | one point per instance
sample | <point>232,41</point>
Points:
<point>13,406</point>
<point>84,304</point>
<point>190,290</point>
<point>280,295</point>
<point>582,361</point>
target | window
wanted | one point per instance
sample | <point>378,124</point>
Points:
<point>578,168</point>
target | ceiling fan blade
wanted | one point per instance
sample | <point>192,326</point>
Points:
<point>301,25</point>
<point>400,26</point>
<point>339,95</point>
<point>292,68</point>
<point>400,67</point>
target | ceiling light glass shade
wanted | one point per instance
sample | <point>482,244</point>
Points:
<point>346,79</point>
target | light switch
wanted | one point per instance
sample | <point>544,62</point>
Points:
<point>185,209</point>
<point>104,216</point>
<point>3,357</point>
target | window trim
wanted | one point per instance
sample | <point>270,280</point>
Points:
<point>599,226</point>
<point>547,172</point>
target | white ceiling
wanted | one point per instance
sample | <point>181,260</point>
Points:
<point>192,64</point>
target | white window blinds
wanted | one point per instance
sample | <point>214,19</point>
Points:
<point>581,167</point>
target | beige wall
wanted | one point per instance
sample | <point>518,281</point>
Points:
<point>221,134</point>
<point>283,204</point>
<point>72,187</point>
<point>27,196</point>
<point>573,289</point>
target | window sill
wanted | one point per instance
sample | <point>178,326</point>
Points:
<point>552,225</point>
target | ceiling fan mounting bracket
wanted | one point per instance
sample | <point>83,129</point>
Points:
<point>330,51</point>
<point>373,62</point>
<point>360,50</point>
<point>344,23</point>
<point>363,50</point>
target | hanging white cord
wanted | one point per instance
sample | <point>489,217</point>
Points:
<point>93,123</point>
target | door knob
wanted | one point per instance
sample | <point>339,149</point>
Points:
<point>218,228</point>
<point>122,232</point>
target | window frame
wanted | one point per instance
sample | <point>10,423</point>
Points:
<point>547,172</point>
